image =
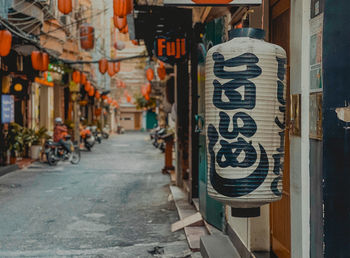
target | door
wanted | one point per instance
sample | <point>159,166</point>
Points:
<point>137,121</point>
<point>211,210</point>
<point>280,221</point>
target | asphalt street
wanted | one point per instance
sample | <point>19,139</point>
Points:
<point>115,203</point>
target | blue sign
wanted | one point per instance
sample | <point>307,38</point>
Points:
<point>7,109</point>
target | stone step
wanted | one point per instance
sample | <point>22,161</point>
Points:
<point>217,246</point>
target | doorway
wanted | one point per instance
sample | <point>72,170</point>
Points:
<point>280,220</point>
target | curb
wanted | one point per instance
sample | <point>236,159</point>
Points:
<point>8,169</point>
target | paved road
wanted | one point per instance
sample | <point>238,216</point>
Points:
<point>114,204</point>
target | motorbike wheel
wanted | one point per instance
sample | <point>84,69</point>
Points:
<point>105,135</point>
<point>51,159</point>
<point>99,140</point>
<point>88,147</point>
<point>75,159</point>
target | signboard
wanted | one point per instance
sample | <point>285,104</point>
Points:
<point>212,2</point>
<point>7,109</point>
<point>170,49</point>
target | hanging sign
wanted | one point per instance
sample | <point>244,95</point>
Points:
<point>212,2</point>
<point>170,49</point>
<point>7,109</point>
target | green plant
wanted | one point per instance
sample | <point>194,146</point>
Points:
<point>14,139</point>
<point>40,135</point>
<point>141,102</point>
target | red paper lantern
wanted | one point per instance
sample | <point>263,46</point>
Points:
<point>45,62</point>
<point>147,97</point>
<point>111,69</point>
<point>97,95</point>
<point>109,100</point>
<point>103,65</point>
<point>149,74</point>
<point>117,67</point>
<point>76,76</point>
<point>128,99</point>
<point>40,61</point>
<point>161,72</point>
<point>36,60</point>
<point>120,22</point>
<point>104,97</point>
<point>87,36</point>
<point>83,78</point>
<point>5,42</point>
<point>65,6</point>
<point>122,8</point>
<point>91,91</point>
<point>87,86</point>
<point>148,88</point>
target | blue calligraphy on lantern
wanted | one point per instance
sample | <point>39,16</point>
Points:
<point>237,141</point>
<point>278,157</point>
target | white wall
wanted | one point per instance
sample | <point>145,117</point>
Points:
<point>299,146</point>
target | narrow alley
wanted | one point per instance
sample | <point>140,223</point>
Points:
<point>113,204</point>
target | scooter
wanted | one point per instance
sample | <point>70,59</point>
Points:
<point>96,133</point>
<point>158,142</point>
<point>55,152</point>
<point>87,138</point>
<point>105,133</point>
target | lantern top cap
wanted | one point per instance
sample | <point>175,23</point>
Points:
<point>247,32</point>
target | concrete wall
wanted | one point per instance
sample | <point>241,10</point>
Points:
<point>299,145</point>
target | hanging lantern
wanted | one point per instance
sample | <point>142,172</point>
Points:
<point>109,100</point>
<point>111,69</point>
<point>83,78</point>
<point>103,65</point>
<point>87,86</point>
<point>147,97</point>
<point>65,6</point>
<point>36,58</point>
<point>45,62</point>
<point>122,8</point>
<point>5,42</point>
<point>149,74</point>
<point>97,95</point>
<point>76,76</point>
<point>91,91</point>
<point>148,88</point>
<point>128,99</point>
<point>161,71</point>
<point>120,22</point>
<point>87,36</point>
<point>245,120</point>
<point>104,97</point>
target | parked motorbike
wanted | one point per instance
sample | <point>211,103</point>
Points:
<point>55,152</point>
<point>105,133</point>
<point>87,138</point>
<point>157,141</point>
<point>96,133</point>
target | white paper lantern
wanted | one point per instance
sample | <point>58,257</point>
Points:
<point>245,119</point>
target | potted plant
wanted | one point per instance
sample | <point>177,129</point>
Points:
<point>14,141</point>
<point>38,139</point>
